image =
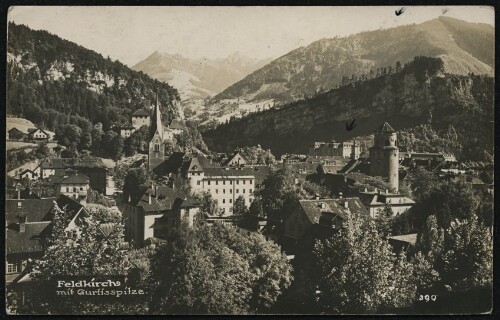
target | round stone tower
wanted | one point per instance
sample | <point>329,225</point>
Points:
<point>384,155</point>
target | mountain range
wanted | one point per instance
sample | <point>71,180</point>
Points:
<point>198,78</point>
<point>327,63</point>
<point>419,93</point>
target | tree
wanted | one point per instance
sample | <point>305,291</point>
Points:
<point>320,169</point>
<point>239,207</point>
<point>279,194</point>
<point>215,270</point>
<point>135,184</point>
<point>467,258</point>
<point>84,251</point>
<point>384,221</point>
<point>209,205</point>
<point>356,272</point>
<point>431,240</point>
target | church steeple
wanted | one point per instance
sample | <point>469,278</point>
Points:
<point>156,124</point>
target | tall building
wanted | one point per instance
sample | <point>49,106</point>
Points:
<point>156,153</point>
<point>384,155</point>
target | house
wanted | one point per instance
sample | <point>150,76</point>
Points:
<point>74,186</point>
<point>16,134</point>
<point>140,118</point>
<point>94,169</point>
<point>328,214</point>
<point>28,226</point>
<point>376,200</point>
<point>403,242</point>
<point>25,221</point>
<point>140,215</point>
<point>28,174</point>
<point>346,149</point>
<point>236,159</point>
<point>176,126</point>
<point>183,210</point>
<point>38,134</point>
<point>126,130</point>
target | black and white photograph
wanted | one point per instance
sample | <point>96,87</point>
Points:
<point>249,160</point>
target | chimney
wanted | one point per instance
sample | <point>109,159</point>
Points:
<point>149,198</point>
<point>22,223</point>
<point>346,204</point>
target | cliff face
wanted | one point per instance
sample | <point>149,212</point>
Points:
<point>405,99</point>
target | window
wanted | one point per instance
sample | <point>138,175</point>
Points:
<point>208,182</point>
<point>199,182</point>
<point>250,191</point>
<point>243,190</point>
<point>230,190</point>
<point>217,182</point>
<point>237,181</point>
<point>386,142</point>
<point>157,147</point>
<point>11,268</point>
<point>243,181</point>
<point>230,200</point>
<point>237,191</point>
<point>223,200</point>
<point>217,191</point>
<point>224,191</point>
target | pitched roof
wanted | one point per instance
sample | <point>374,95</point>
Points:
<point>141,113</point>
<point>176,124</point>
<point>27,241</point>
<point>314,209</point>
<point>127,125</point>
<point>75,179</point>
<point>160,202</point>
<point>35,210</point>
<point>408,238</point>
<point>385,128</point>
<point>15,130</point>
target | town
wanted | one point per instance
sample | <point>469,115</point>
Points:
<point>325,173</point>
<point>224,188</point>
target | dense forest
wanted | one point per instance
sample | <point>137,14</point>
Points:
<point>420,92</point>
<point>54,82</point>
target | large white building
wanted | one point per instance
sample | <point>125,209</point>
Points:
<point>376,200</point>
<point>225,184</point>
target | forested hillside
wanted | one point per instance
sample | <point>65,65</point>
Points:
<point>328,63</point>
<point>418,93</point>
<point>54,82</point>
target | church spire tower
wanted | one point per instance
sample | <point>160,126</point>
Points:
<point>156,153</point>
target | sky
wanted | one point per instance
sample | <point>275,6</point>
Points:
<point>131,34</point>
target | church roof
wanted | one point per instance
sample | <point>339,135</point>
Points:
<point>386,128</point>
<point>156,125</point>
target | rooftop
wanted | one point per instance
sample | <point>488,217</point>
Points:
<point>385,128</point>
<point>75,179</point>
<point>408,238</point>
<point>141,113</point>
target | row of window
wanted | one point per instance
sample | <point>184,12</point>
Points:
<point>231,191</point>
<point>230,182</point>
<point>73,189</point>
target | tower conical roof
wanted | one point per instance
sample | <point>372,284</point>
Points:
<point>156,125</point>
<point>386,128</point>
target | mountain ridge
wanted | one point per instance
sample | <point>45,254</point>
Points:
<point>464,48</point>
<point>198,78</point>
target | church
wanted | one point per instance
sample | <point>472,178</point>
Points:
<point>160,139</point>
